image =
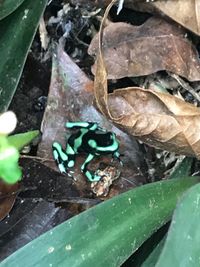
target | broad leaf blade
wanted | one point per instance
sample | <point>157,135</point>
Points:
<point>182,244</point>
<point>16,34</point>
<point>107,234</point>
<point>22,139</point>
<point>8,6</point>
<point>183,169</point>
<point>148,254</point>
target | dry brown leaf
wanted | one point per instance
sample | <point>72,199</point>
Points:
<point>158,119</point>
<point>141,50</point>
<point>185,12</point>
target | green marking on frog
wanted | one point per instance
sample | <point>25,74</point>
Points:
<point>70,164</point>
<point>89,139</point>
<point>69,150</point>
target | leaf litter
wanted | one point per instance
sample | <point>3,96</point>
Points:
<point>139,112</point>
<point>158,119</point>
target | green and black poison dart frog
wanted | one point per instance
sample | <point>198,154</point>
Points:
<point>90,139</point>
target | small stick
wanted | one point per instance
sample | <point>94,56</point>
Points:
<point>186,86</point>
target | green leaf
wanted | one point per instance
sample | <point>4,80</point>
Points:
<point>10,171</point>
<point>183,169</point>
<point>148,248</point>
<point>147,255</point>
<point>8,6</point>
<point>22,139</point>
<point>16,34</point>
<point>182,244</point>
<point>107,234</point>
<point>9,156</point>
<point>153,257</point>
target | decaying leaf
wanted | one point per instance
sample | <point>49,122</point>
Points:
<point>8,195</point>
<point>158,119</point>
<point>185,12</point>
<point>156,45</point>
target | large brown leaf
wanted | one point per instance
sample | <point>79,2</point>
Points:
<point>141,50</point>
<point>185,12</point>
<point>158,119</point>
<point>71,99</point>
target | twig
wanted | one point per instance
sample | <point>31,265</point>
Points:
<point>186,86</point>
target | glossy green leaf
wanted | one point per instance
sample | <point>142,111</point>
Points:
<point>16,34</point>
<point>108,233</point>
<point>22,139</point>
<point>182,244</point>
<point>183,169</point>
<point>8,6</point>
<point>147,255</point>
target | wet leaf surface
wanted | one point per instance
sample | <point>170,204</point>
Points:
<point>21,25</point>
<point>29,220</point>
<point>156,45</point>
<point>7,198</point>
<point>35,208</point>
<point>41,182</point>
<point>8,6</point>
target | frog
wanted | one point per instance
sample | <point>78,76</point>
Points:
<point>90,139</point>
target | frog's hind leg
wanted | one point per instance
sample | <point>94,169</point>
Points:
<point>91,176</point>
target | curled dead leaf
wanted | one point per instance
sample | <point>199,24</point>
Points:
<point>156,45</point>
<point>158,119</point>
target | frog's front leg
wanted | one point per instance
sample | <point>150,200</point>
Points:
<point>91,176</point>
<point>60,156</point>
<point>63,159</point>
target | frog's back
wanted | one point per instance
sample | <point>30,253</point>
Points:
<point>101,139</point>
